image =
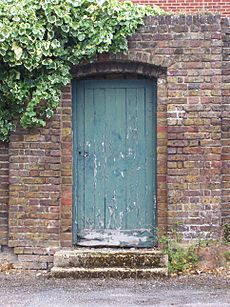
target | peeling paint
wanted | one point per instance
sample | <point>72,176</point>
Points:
<point>95,171</point>
<point>89,223</point>
<point>121,217</point>
<point>130,152</point>
<point>132,238</point>
<point>100,219</point>
<point>122,155</point>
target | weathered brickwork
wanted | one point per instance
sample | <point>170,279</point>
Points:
<point>189,56</point>
<point>191,6</point>
<point>226,122</point>
<point>34,194</point>
<point>4,190</point>
<point>191,49</point>
<point>66,168</point>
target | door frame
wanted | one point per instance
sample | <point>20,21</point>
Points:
<point>74,147</point>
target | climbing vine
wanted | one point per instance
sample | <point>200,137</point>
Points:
<point>39,42</point>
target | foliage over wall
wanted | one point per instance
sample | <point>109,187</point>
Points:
<point>41,39</point>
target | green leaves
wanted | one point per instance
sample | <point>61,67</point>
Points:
<point>41,39</point>
<point>17,50</point>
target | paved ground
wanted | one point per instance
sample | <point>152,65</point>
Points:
<point>35,291</point>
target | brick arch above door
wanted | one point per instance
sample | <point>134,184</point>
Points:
<point>108,67</point>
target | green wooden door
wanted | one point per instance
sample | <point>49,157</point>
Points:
<point>114,192</point>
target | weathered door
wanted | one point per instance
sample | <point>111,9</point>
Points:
<point>114,163</point>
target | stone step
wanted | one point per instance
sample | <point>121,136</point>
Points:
<point>116,263</point>
<point>110,258</point>
<point>60,272</point>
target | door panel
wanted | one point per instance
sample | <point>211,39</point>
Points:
<point>114,162</point>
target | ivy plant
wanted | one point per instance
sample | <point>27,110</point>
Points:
<point>39,42</point>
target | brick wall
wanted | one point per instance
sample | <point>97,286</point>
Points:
<point>190,57</point>
<point>4,190</point>
<point>191,48</point>
<point>191,6</point>
<point>66,168</point>
<point>226,122</point>
<point>34,194</point>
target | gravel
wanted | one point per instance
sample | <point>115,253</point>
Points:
<point>32,289</point>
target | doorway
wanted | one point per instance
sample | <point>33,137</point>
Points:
<point>114,154</point>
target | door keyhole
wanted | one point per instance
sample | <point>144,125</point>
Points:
<point>83,154</point>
